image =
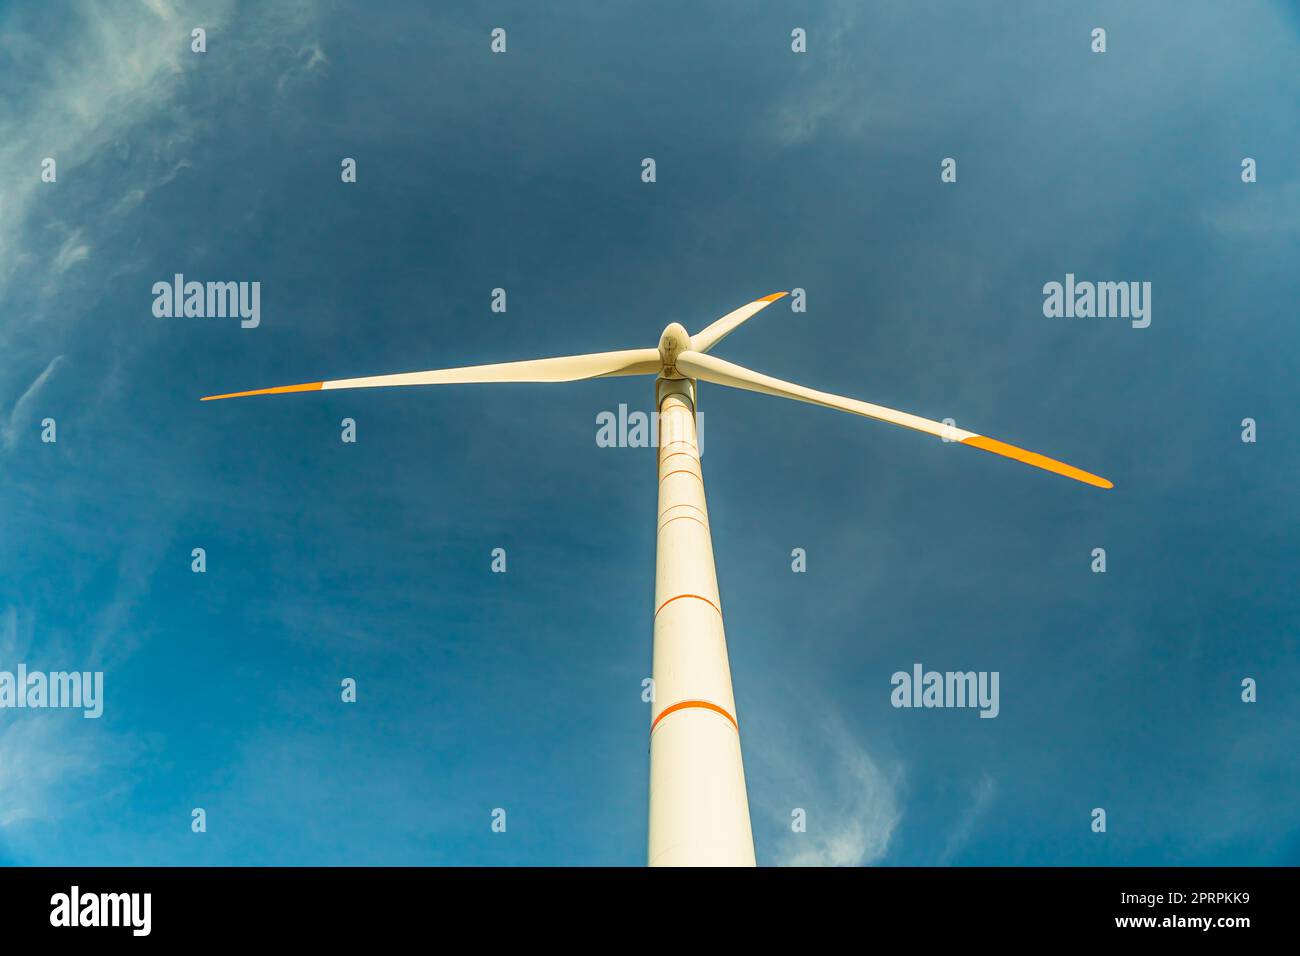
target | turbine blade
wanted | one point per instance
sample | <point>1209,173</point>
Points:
<point>568,368</point>
<point>719,330</point>
<point>715,370</point>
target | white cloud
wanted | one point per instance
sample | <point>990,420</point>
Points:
<point>310,60</point>
<point>42,752</point>
<point>73,250</point>
<point>982,794</point>
<point>101,92</point>
<point>161,9</point>
<point>21,412</point>
<point>37,761</point>
<point>851,799</point>
<point>971,62</point>
<point>73,107</point>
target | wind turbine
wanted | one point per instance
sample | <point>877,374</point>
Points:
<point>699,810</point>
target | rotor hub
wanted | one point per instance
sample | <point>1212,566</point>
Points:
<point>672,342</point>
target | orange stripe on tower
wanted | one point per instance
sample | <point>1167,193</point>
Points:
<point>683,705</point>
<point>680,596</point>
<point>680,471</point>
<point>305,387</point>
<point>683,518</point>
<point>1035,459</point>
<point>674,455</point>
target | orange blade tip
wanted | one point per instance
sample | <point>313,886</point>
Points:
<point>773,297</point>
<point>305,387</point>
<point>1038,461</point>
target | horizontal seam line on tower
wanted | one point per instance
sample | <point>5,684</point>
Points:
<point>688,518</point>
<point>681,471</point>
<point>674,455</point>
<point>683,504</point>
<point>696,596</point>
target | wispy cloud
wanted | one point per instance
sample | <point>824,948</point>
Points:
<point>38,759</point>
<point>982,796</point>
<point>850,798</point>
<point>309,60</point>
<point>74,249</point>
<point>72,109</point>
<point>21,411</point>
<point>44,752</point>
<point>827,96</point>
<point>105,93</point>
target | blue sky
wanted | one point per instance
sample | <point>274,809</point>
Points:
<point>775,170</point>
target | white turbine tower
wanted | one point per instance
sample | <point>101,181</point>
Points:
<point>699,811</point>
